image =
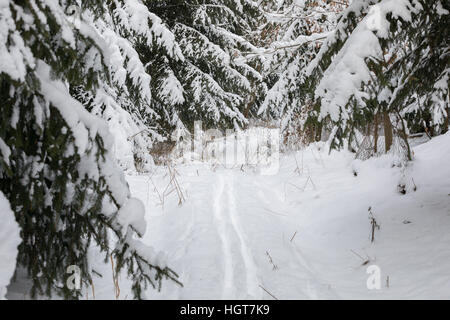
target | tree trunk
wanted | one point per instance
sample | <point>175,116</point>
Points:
<point>375,134</point>
<point>387,131</point>
<point>404,135</point>
<point>312,133</point>
<point>249,105</point>
<point>446,121</point>
<point>318,132</point>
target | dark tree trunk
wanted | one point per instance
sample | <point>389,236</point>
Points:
<point>375,134</point>
<point>446,121</point>
<point>319,132</point>
<point>387,131</point>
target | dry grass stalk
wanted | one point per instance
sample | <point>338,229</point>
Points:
<point>293,236</point>
<point>268,292</point>
<point>115,279</point>
<point>275,267</point>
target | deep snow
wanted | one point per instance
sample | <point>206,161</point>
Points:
<point>303,233</point>
<point>298,234</point>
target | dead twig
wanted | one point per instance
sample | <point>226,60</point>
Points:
<point>115,279</point>
<point>294,236</point>
<point>268,292</point>
<point>365,261</point>
<point>373,223</point>
<point>297,169</point>
<point>161,197</point>
<point>415,187</point>
<point>296,186</point>
<point>306,184</point>
<point>173,182</point>
<point>93,289</point>
<point>275,267</point>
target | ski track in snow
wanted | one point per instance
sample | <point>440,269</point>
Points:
<point>251,279</point>
<point>221,226</point>
<point>235,250</point>
<point>221,229</point>
<point>220,237</point>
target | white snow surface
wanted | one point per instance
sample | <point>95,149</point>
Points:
<point>303,233</point>
<point>9,240</point>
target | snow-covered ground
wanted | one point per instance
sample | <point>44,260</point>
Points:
<point>9,241</point>
<point>303,233</point>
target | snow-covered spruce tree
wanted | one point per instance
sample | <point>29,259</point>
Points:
<point>295,30</point>
<point>376,67</point>
<point>213,82</point>
<point>56,165</point>
<point>126,102</point>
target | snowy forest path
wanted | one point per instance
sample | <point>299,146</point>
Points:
<point>301,233</point>
<point>239,267</point>
<point>230,239</point>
